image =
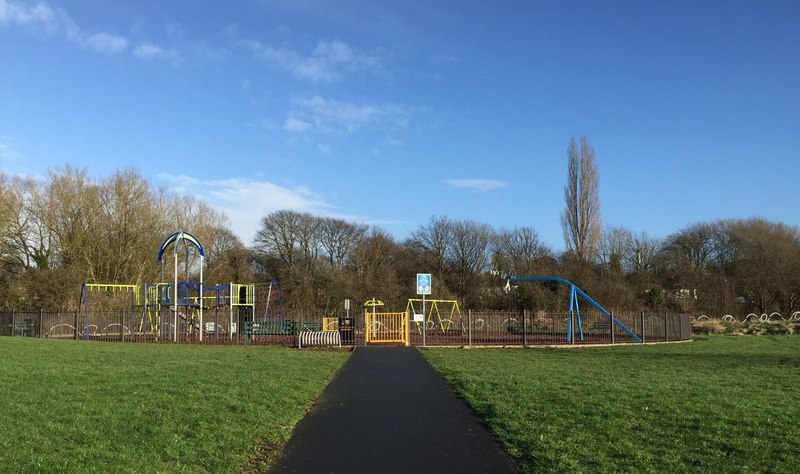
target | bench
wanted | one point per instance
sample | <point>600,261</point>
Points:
<point>23,328</point>
<point>601,326</point>
<point>269,328</point>
<point>310,326</point>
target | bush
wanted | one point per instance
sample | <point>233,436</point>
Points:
<point>749,328</point>
<point>708,327</point>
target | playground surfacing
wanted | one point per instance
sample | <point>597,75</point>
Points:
<point>388,410</point>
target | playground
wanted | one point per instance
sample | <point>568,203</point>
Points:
<point>182,308</point>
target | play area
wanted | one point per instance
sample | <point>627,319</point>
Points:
<point>182,308</point>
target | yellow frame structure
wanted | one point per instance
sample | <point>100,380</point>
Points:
<point>433,306</point>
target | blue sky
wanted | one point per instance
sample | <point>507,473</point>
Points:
<point>388,113</point>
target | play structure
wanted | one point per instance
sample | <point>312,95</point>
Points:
<point>180,307</point>
<point>574,315</point>
<point>441,315</point>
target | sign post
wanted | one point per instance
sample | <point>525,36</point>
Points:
<point>423,288</point>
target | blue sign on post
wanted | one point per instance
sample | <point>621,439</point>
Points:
<point>423,283</point>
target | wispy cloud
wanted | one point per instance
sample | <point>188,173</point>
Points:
<point>246,201</point>
<point>42,19</point>
<point>39,17</point>
<point>477,184</point>
<point>334,116</point>
<point>8,153</point>
<point>442,59</point>
<point>330,61</point>
<point>149,51</point>
<point>105,43</point>
<point>296,125</point>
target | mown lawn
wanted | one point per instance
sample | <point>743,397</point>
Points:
<point>718,404</point>
<point>76,406</point>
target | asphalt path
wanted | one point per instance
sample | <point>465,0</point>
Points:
<point>388,411</point>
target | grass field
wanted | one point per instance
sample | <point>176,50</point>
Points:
<point>719,404</point>
<point>73,406</point>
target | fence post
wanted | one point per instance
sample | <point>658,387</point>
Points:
<point>524,328</point>
<point>76,322</point>
<point>680,327</point>
<point>613,327</point>
<point>13,322</point>
<point>41,323</point>
<point>666,329</point>
<point>571,330</point>
<point>641,315</point>
<point>469,327</point>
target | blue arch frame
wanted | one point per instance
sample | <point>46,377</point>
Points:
<point>180,235</point>
<point>574,308</point>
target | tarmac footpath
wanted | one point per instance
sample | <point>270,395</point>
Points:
<point>389,411</point>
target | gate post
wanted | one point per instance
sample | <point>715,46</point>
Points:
<point>407,324</point>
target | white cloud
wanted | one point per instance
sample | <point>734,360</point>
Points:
<point>8,154</point>
<point>329,62</point>
<point>443,59</point>
<point>106,43</point>
<point>477,184</point>
<point>296,125</point>
<point>334,116</point>
<point>39,17</point>
<point>245,201</point>
<point>149,51</point>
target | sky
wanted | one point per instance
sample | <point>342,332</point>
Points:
<point>390,112</point>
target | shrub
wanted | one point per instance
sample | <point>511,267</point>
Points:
<point>708,327</point>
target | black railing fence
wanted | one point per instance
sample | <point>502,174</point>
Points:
<point>232,326</point>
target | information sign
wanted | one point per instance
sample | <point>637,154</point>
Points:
<point>423,283</point>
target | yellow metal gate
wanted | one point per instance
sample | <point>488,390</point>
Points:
<point>385,328</point>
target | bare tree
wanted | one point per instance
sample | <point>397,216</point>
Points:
<point>434,241</point>
<point>581,218</point>
<point>517,252</point>
<point>227,259</point>
<point>766,270</point>
<point>468,258</point>
<point>615,248</point>
<point>373,268</point>
<point>278,235</point>
<point>339,237</point>
<point>643,254</point>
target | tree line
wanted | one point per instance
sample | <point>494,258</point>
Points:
<point>66,228</point>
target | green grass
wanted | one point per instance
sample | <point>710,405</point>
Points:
<point>719,404</point>
<point>76,406</point>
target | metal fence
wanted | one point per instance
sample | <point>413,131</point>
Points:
<point>482,328</point>
<point>471,328</point>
